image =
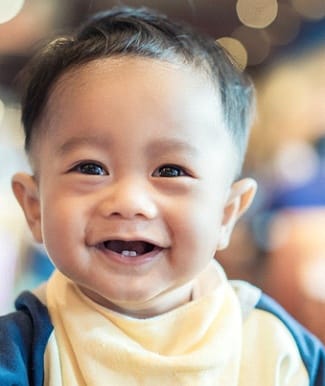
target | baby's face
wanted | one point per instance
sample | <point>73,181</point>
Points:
<point>135,173</point>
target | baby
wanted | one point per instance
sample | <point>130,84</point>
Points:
<point>136,128</point>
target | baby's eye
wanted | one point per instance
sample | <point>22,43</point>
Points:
<point>91,168</point>
<point>169,171</point>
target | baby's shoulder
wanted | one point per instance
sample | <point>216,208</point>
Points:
<point>23,336</point>
<point>272,335</point>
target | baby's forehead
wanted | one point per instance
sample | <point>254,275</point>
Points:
<point>174,81</point>
<point>168,89</point>
<point>135,85</point>
<point>130,64</point>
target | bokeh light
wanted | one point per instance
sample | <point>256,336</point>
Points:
<point>285,27</point>
<point>310,9</point>
<point>2,110</point>
<point>257,13</point>
<point>292,154</point>
<point>236,50</point>
<point>9,9</point>
<point>256,42</point>
<point>311,276</point>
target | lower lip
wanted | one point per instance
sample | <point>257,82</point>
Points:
<point>131,260</point>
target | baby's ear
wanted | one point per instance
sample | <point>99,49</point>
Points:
<point>25,189</point>
<point>240,198</point>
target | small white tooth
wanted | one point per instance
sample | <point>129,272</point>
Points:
<point>128,253</point>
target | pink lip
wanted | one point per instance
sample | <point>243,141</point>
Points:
<point>130,260</point>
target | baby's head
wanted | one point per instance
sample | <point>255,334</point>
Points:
<point>126,32</point>
<point>136,128</point>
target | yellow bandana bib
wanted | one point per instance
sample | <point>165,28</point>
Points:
<point>198,343</point>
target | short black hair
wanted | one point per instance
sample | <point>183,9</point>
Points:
<point>123,31</point>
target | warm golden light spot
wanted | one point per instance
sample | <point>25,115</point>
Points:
<point>310,9</point>
<point>257,13</point>
<point>9,9</point>
<point>236,50</point>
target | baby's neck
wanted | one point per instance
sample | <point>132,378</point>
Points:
<point>163,303</point>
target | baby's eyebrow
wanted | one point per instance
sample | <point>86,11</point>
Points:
<point>155,147</point>
<point>75,142</point>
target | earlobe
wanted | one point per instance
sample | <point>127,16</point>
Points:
<point>240,198</point>
<point>25,189</point>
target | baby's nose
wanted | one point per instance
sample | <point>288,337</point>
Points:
<point>130,198</point>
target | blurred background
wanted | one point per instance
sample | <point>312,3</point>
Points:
<point>279,244</point>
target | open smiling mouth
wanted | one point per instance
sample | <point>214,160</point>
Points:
<point>130,248</point>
